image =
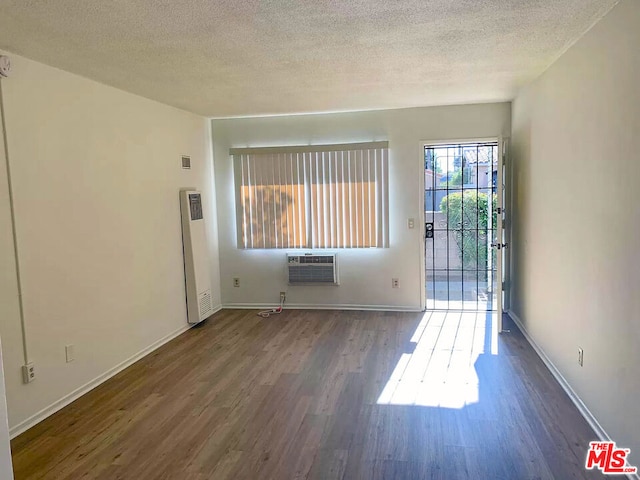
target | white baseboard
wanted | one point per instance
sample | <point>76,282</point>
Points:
<point>77,393</point>
<point>311,306</point>
<point>588,416</point>
<point>577,401</point>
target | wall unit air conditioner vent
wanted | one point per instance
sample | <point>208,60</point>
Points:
<point>312,269</point>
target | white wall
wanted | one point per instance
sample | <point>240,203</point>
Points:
<point>6,470</point>
<point>8,302</point>
<point>575,245</point>
<point>96,173</point>
<point>365,274</point>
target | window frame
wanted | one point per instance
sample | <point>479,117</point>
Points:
<point>380,188</point>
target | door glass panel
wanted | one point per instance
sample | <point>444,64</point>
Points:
<point>461,202</point>
<point>438,254</point>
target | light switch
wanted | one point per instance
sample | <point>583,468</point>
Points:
<point>70,353</point>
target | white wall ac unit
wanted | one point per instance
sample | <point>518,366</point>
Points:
<point>196,257</point>
<point>312,269</point>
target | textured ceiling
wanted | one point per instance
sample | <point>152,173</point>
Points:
<point>248,57</point>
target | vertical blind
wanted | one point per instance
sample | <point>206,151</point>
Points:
<point>323,196</point>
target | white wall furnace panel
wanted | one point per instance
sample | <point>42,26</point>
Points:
<point>576,230</point>
<point>96,172</point>
<point>365,274</point>
<point>196,256</point>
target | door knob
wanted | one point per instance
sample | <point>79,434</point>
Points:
<point>428,230</point>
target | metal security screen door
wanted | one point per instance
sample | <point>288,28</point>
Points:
<point>463,226</point>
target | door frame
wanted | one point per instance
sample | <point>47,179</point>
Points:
<point>508,202</point>
<point>431,143</point>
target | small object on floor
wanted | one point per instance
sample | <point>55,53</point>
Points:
<point>273,311</point>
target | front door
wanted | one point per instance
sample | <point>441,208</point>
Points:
<point>464,243</point>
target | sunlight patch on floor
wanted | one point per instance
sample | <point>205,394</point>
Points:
<point>440,371</point>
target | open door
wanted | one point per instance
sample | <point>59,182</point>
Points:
<point>498,242</point>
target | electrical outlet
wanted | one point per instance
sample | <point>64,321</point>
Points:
<point>395,283</point>
<point>580,357</point>
<point>283,296</point>
<point>69,351</point>
<point>28,373</point>
<point>236,282</point>
<point>411,223</point>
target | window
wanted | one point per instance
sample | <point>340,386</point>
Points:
<point>323,196</point>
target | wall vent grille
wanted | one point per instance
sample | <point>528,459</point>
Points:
<point>204,303</point>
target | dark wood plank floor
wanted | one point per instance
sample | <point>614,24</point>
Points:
<point>320,395</point>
